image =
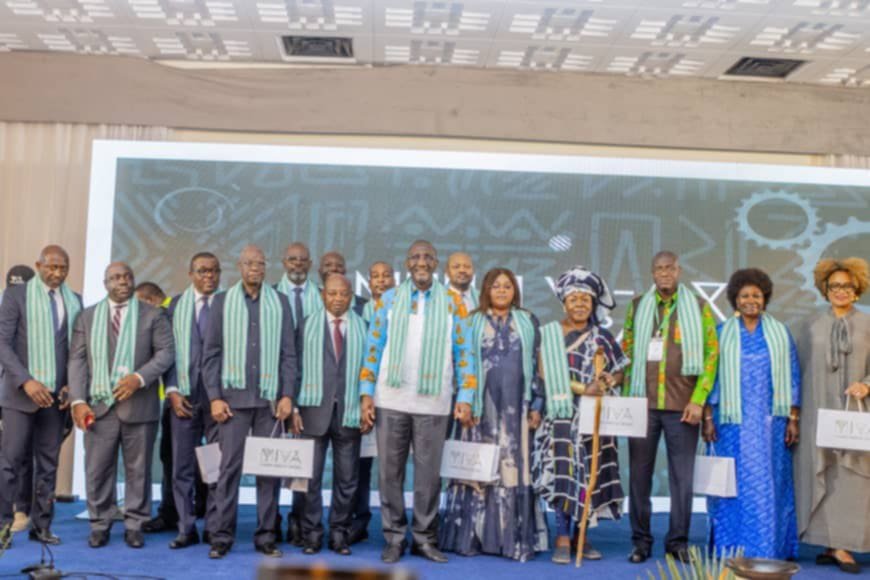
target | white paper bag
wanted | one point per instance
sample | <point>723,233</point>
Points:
<point>620,416</point>
<point>843,429</point>
<point>470,461</point>
<point>208,457</point>
<point>715,476</point>
<point>369,445</point>
<point>288,458</point>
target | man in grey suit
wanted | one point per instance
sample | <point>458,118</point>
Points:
<point>247,396</point>
<point>322,412</point>
<point>190,408</point>
<point>120,349</point>
<point>34,393</point>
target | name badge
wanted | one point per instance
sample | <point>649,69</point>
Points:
<point>656,350</point>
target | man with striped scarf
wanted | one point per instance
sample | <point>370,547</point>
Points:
<point>36,321</point>
<point>670,337</point>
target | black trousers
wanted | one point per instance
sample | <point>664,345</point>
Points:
<point>362,510</point>
<point>681,442</point>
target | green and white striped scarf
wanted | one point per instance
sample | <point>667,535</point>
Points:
<point>311,392</point>
<point>104,380</point>
<point>41,357</point>
<point>776,336</point>
<point>182,326</point>
<point>236,340</point>
<point>557,379</point>
<point>311,300</point>
<point>691,326</point>
<point>526,330</point>
<point>435,337</point>
<point>368,312</point>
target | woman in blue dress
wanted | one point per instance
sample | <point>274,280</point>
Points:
<point>504,518</point>
<point>752,415</point>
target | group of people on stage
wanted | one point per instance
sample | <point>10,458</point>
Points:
<point>421,362</point>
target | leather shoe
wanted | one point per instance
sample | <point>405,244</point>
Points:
<point>43,536</point>
<point>156,525</point>
<point>206,537</point>
<point>393,553</point>
<point>680,554</point>
<point>294,532</point>
<point>98,538</point>
<point>269,549</point>
<point>638,555</point>
<point>339,546</point>
<point>310,549</point>
<point>134,538</point>
<point>218,551</point>
<point>184,541</point>
<point>430,552</point>
<point>357,536</point>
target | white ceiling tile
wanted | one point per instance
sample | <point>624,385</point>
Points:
<point>656,63</point>
<point>438,19</point>
<point>431,51</point>
<point>545,56</point>
<point>314,16</point>
<point>686,29</point>
<point>561,22</point>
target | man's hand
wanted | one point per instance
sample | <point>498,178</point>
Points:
<point>80,414</point>
<point>180,405</point>
<point>63,397</point>
<point>366,413</point>
<point>126,387</point>
<point>857,390</point>
<point>692,414</point>
<point>220,411</point>
<point>534,420</point>
<point>38,393</point>
<point>792,433</point>
<point>284,408</point>
<point>462,413</point>
<point>708,431</point>
<point>296,424</point>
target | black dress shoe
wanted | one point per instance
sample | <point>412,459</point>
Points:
<point>43,536</point>
<point>294,532</point>
<point>184,541</point>
<point>269,549</point>
<point>206,537</point>
<point>134,538</point>
<point>98,538</point>
<point>392,553</point>
<point>430,552</point>
<point>310,549</point>
<point>339,546</point>
<point>155,525</point>
<point>218,550</point>
<point>680,554</point>
<point>357,536</point>
<point>638,555</point>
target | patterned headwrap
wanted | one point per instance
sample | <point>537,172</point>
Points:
<point>580,279</point>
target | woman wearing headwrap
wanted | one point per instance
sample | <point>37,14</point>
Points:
<point>505,518</point>
<point>752,415</point>
<point>561,466</point>
<point>833,490</point>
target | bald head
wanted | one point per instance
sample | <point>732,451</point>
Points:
<point>53,266</point>
<point>337,294</point>
<point>421,263</point>
<point>297,262</point>
<point>460,270</point>
<point>119,281</point>
<point>331,263</point>
<point>252,267</point>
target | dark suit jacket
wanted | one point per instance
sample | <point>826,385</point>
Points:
<point>13,350</point>
<point>153,355</point>
<point>316,420</point>
<point>249,397</point>
<point>197,348</point>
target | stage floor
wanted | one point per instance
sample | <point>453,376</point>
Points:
<point>157,561</point>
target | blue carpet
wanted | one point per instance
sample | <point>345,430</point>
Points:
<point>612,538</point>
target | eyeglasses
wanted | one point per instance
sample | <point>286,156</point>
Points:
<point>206,271</point>
<point>837,287</point>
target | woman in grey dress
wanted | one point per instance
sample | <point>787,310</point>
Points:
<point>833,486</point>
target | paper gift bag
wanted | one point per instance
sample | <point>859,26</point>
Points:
<point>849,430</point>
<point>208,457</point>
<point>288,458</point>
<point>715,476</point>
<point>620,416</point>
<point>470,461</point>
<point>369,445</point>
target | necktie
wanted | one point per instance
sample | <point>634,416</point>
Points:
<point>116,320</point>
<point>55,318</point>
<point>297,306</point>
<point>202,319</point>
<point>337,339</point>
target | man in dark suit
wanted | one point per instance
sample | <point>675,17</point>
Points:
<point>247,394</point>
<point>120,349</point>
<point>323,414</point>
<point>35,323</point>
<point>190,412</point>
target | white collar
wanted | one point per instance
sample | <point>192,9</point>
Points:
<point>330,318</point>
<point>113,304</point>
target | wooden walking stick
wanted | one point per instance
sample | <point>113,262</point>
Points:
<point>592,476</point>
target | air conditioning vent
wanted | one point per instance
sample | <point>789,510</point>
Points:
<point>763,68</point>
<point>331,49</point>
